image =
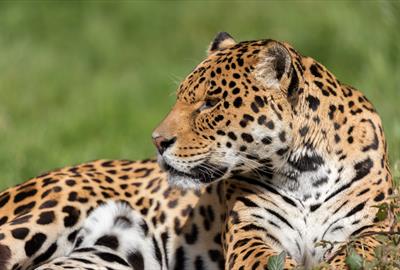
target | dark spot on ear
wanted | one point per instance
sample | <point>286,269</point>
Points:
<point>294,83</point>
<point>280,57</point>
<point>221,36</point>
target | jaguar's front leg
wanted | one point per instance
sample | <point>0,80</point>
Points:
<point>248,244</point>
<point>247,248</point>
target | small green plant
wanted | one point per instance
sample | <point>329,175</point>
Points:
<point>354,261</point>
<point>277,262</point>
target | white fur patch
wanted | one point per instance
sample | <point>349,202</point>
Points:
<point>131,237</point>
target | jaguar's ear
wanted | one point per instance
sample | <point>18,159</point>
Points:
<point>221,41</point>
<point>274,68</point>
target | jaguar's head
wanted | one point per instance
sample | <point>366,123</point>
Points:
<point>233,113</point>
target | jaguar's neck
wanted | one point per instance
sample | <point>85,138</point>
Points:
<point>304,173</point>
<point>309,174</point>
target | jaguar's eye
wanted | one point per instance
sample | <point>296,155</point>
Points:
<point>209,103</point>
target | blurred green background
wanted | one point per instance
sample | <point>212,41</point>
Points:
<point>88,80</point>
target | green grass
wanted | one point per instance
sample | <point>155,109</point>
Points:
<point>82,81</point>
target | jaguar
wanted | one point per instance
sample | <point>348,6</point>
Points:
<point>265,151</point>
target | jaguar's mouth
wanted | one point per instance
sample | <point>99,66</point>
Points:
<point>174,172</point>
<point>202,174</point>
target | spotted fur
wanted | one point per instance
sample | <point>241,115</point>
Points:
<point>264,151</point>
<point>114,236</point>
<point>184,223</point>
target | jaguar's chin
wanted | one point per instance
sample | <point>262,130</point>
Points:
<point>198,176</point>
<point>184,182</point>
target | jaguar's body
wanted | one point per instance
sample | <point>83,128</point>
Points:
<point>269,151</point>
<point>54,207</point>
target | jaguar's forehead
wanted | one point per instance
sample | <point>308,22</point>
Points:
<point>224,63</point>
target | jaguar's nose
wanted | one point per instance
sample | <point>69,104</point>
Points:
<point>163,143</point>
